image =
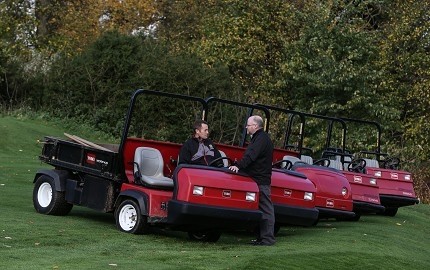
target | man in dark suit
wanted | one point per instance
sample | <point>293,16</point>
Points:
<point>257,163</point>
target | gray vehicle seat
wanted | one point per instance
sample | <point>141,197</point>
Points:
<point>307,159</point>
<point>371,163</point>
<point>336,164</point>
<point>347,160</point>
<point>290,158</point>
<point>150,164</point>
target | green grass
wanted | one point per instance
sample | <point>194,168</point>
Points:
<point>86,239</point>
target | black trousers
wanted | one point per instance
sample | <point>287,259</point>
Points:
<point>267,223</point>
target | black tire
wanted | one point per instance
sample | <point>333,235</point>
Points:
<point>315,222</point>
<point>277,227</point>
<point>211,236</point>
<point>354,218</point>
<point>47,200</point>
<point>390,211</point>
<point>129,218</point>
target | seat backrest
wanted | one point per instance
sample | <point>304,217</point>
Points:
<point>371,163</point>
<point>335,164</point>
<point>290,158</point>
<point>307,159</point>
<point>224,161</point>
<point>149,162</point>
<point>347,160</point>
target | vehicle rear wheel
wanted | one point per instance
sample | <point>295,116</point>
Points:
<point>390,211</point>
<point>47,200</point>
<point>212,236</point>
<point>129,219</point>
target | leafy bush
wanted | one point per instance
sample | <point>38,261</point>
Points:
<point>96,85</point>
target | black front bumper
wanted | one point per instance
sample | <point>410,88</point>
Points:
<point>397,201</point>
<point>293,215</point>
<point>334,213</point>
<point>190,216</point>
<point>367,208</point>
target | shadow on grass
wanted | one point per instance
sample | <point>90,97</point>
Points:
<point>92,216</point>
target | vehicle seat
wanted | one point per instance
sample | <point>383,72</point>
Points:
<point>336,164</point>
<point>307,159</point>
<point>290,158</point>
<point>371,163</point>
<point>150,164</point>
<point>224,161</point>
<point>347,161</point>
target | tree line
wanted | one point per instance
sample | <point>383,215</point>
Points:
<point>366,59</point>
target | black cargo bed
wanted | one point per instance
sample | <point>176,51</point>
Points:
<point>65,154</point>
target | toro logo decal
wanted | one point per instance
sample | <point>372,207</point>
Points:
<point>226,193</point>
<point>91,158</point>
<point>357,179</point>
<point>394,175</point>
<point>373,200</point>
<point>287,192</point>
<point>329,203</point>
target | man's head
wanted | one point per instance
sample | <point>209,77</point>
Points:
<point>200,129</point>
<point>253,124</point>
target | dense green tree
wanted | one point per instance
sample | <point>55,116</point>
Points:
<point>302,54</point>
<point>97,83</point>
<point>330,69</point>
<point>405,59</point>
<point>16,39</point>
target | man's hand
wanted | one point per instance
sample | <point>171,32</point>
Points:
<point>234,168</point>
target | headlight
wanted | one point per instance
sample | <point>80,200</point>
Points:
<point>250,196</point>
<point>197,190</point>
<point>408,177</point>
<point>372,181</point>
<point>378,173</point>
<point>309,196</point>
<point>344,191</point>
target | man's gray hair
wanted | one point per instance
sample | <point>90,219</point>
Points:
<point>258,121</point>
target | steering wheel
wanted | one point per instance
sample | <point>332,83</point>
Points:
<point>322,162</point>
<point>357,165</point>
<point>214,162</point>
<point>392,163</point>
<point>278,164</point>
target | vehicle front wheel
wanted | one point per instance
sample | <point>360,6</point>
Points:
<point>129,218</point>
<point>390,211</point>
<point>47,200</point>
<point>212,236</point>
<point>354,218</point>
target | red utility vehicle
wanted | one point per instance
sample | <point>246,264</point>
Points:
<point>396,187</point>
<point>140,182</point>
<point>292,193</point>
<point>341,195</point>
<point>364,189</point>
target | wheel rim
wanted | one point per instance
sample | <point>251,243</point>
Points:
<point>44,195</point>
<point>127,217</point>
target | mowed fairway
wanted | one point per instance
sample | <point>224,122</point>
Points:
<point>86,239</point>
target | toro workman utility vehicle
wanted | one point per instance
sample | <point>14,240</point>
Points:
<point>139,180</point>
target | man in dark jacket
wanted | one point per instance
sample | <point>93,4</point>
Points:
<point>257,163</point>
<point>199,149</point>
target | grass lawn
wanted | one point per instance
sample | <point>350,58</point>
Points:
<point>86,239</point>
